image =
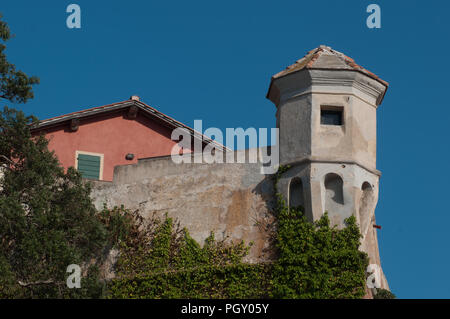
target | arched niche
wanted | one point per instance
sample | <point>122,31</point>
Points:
<point>296,194</point>
<point>366,204</point>
<point>334,192</point>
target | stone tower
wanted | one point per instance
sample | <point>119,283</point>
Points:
<point>326,115</point>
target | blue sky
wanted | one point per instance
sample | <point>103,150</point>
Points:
<point>213,61</point>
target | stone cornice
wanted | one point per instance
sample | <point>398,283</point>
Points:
<point>327,81</point>
<point>315,159</point>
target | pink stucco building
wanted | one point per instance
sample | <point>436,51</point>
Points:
<point>96,140</point>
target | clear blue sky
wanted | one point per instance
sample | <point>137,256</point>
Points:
<point>212,60</point>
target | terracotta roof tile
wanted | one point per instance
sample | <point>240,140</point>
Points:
<point>325,57</point>
<point>120,105</point>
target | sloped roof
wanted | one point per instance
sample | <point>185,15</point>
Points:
<point>148,110</point>
<point>325,57</point>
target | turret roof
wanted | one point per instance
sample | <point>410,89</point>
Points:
<point>326,58</point>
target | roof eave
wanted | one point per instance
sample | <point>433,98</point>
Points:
<point>121,105</point>
<point>374,77</point>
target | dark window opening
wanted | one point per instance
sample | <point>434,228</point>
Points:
<point>331,117</point>
<point>296,197</point>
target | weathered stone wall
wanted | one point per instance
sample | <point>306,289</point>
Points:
<point>230,199</point>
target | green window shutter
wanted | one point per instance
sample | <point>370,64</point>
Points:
<point>89,166</point>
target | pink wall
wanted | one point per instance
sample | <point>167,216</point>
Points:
<point>114,136</point>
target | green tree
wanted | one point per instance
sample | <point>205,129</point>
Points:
<point>15,86</point>
<point>47,220</point>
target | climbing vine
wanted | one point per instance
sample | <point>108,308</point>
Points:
<point>159,259</point>
<point>316,260</point>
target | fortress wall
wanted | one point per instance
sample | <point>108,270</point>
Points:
<point>233,200</point>
<point>230,199</point>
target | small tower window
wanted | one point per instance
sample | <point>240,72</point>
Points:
<point>330,116</point>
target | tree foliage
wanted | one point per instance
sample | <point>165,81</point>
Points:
<point>47,220</point>
<point>384,294</point>
<point>15,85</point>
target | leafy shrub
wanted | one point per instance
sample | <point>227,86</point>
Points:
<point>384,294</point>
<point>158,259</point>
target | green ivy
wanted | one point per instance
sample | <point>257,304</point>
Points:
<point>158,259</point>
<point>384,294</point>
<point>316,260</point>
